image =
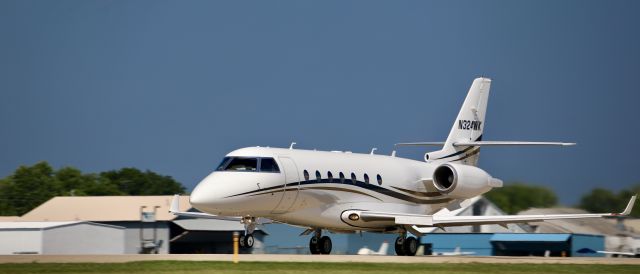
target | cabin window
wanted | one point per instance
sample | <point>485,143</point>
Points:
<point>330,176</point>
<point>379,179</point>
<point>366,178</point>
<point>242,164</point>
<point>306,175</point>
<point>341,178</point>
<point>318,178</point>
<point>268,165</point>
<point>353,178</point>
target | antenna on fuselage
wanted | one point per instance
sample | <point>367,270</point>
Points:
<point>373,149</point>
<point>291,146</point>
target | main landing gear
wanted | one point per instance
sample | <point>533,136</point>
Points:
<point>406,246</point>
<point>246,240</point>
<point>320,244</point>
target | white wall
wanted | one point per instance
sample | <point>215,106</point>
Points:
<point>14,241</point>
<point>83,238</point>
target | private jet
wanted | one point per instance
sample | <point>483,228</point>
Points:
<point>346,192</point>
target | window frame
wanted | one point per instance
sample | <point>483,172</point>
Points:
<point>318,176</point>
<point>228,159</point>
<point>379,178</point>
<point>366,178</point>
<point>341,178</point>
<point>354,178</point>
<point>274,161</point>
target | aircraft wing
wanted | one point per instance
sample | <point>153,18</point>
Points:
<point>418,223</point>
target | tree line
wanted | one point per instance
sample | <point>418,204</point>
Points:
<point>30,186</point>
<point>515,197</point>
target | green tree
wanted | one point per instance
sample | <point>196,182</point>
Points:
<point>132,181</point>
<point>28,187</point>
<point>5,205</point>
<point>74,183</point>
<point>516,197</point>
<point>601,200</point>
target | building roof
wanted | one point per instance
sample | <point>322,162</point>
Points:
<point>45,225</point>
<point>34,225</point>
<point>9,218</point>
<point>632,225</point>
<point>601,226</point>
<point>104,208</point>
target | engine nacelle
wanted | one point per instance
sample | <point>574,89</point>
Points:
<point>463,181</point>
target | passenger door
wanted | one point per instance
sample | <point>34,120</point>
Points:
<point>290,189</point>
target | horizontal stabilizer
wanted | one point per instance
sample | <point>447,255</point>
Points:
<point>489,143</point>
<point>511,143</point>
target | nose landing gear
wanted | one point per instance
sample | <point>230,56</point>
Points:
<point>320,244</point>
<point>247,240</point>
<point>406,246</point>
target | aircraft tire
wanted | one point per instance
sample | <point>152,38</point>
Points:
<point>325,245</point>
<point>399,246</point>
<point>410,246</point>
<point>313,246</point>
<point>248,241</point>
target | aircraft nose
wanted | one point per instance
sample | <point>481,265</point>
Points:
<point>204,194</point>
<point>212,195</point>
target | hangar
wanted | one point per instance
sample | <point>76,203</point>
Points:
<point>148,226</point>
<point>72,237</point>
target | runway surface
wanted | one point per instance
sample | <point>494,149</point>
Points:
<point>310,258</point>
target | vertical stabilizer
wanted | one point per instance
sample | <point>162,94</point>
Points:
<point>467,127</point>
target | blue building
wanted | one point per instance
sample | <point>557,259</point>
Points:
<point>515,244</point>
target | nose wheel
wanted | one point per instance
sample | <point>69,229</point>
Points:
<point>406,246</point>
<point>319,244</point>
<point>247,240</point>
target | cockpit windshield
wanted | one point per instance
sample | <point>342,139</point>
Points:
<point>253,164</point>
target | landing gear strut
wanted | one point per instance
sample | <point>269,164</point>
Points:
<point>320,244</point>
<point>246,240</point>
<point>406,246</point>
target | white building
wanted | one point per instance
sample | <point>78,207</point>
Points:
<point>148,225</point>
<point>74,237</point>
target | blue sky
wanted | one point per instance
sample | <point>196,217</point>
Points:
<point>172,86</point>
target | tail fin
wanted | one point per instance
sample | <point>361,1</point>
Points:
<point>467,127</point>
<point>383,248</point>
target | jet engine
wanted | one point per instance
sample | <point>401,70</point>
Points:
<point>463,181</point>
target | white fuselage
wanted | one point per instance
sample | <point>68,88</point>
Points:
<point>297,196</point>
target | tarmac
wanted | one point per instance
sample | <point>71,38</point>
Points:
<point>313,258</point>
